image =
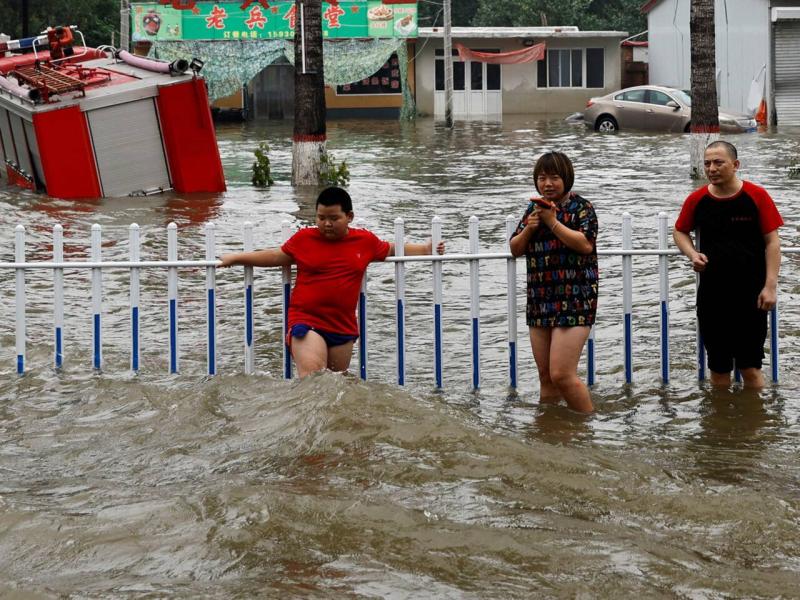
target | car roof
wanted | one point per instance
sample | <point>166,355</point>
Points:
<point>663,88</point>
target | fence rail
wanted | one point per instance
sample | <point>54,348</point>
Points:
<point>96,265</point>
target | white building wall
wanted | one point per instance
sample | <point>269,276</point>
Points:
<point>520,94</point>
<point>742,41</point>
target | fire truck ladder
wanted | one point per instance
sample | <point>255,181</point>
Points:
<point>49,81</point>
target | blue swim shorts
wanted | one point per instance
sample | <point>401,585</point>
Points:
<point>331,339</point>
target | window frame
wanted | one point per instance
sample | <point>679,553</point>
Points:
<point>567,52</point>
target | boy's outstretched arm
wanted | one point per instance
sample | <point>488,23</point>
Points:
<point>424,249</point>
<point>271,257</point>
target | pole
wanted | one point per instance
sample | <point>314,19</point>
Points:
<point>25,19</point>
<point>448,67</point>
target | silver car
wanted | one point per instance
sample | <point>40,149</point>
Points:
<point>654,107</point>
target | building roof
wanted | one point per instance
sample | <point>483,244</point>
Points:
<point>649,5</point>
<point>517,32</point>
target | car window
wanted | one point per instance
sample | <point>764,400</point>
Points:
<point>684,96</point>
<point>659,98</point>
<point>631,96</point>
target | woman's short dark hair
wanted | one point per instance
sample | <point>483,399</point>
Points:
<point>332,196</point>
<point>555,163</point>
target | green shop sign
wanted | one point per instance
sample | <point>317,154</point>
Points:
<point>262,19</point>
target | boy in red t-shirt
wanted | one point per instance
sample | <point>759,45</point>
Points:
<point>738,258</point>
<point>331,260</point>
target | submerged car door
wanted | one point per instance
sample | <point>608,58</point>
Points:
<point>661,117</point>
<point>629,108</point>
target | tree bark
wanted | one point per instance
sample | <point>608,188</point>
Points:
<point>705,112</point>
<point>308,143</point>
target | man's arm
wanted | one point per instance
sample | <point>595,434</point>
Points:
<point>684,243</point>
<point>271,257</point>
<point>425,249</point>
<point>769,295</point>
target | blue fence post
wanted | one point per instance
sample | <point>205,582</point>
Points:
<point>663,277</point>
<point>511,293</point>
<point>249,327</point>
<point>97,300</point>
<point>362,320</point>
<point>58,297</point>
<point>475,306</point>
<point>627,295</point>
<point>400,298</point>
<point>19,275</point>
<point>436,265</point>
<point>211,300</point>
<point>134,255</point>
<point>286,281</point>
<point>773,342</point>
<point>172,294</point>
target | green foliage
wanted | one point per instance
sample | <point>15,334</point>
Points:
<point>261,172</point>
<point>97,19</point>
<point>588,15</point>
<point>430,13</point>
<point>330,174</point>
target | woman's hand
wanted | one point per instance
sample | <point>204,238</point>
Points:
<point>546,215</point>
<point>532,221</point>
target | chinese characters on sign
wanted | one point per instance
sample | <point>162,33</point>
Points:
<point>263,19</point>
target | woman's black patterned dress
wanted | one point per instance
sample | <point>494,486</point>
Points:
<point>562,284</point>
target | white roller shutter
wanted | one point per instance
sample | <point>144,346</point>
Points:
<point>128,148</point>
<point>20,142</point>
<point>8,138</point>
<point>787,72</point>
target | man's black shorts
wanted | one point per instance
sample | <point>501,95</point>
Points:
<point>732,334</point>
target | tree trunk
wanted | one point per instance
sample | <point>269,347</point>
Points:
<point>705,111</point>
<point>308,143</point>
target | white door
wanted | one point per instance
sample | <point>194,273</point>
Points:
<point>477,89</point>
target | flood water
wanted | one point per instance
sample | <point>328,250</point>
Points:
<point>115,485</point>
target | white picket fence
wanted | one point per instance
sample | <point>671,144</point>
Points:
<point>134,265</point>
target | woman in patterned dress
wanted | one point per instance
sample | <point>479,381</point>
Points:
<point>558,236</point>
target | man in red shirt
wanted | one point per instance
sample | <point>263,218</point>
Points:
<point>738,258</point>
<point>331,260</point>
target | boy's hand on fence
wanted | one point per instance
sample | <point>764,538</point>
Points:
<point>227,260</point>
<point>440,247</point>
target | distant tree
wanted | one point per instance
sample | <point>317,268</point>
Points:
<point>97,19</point>
<point>430,13</point>
<point>588,15</point>
<point>705,111</point>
